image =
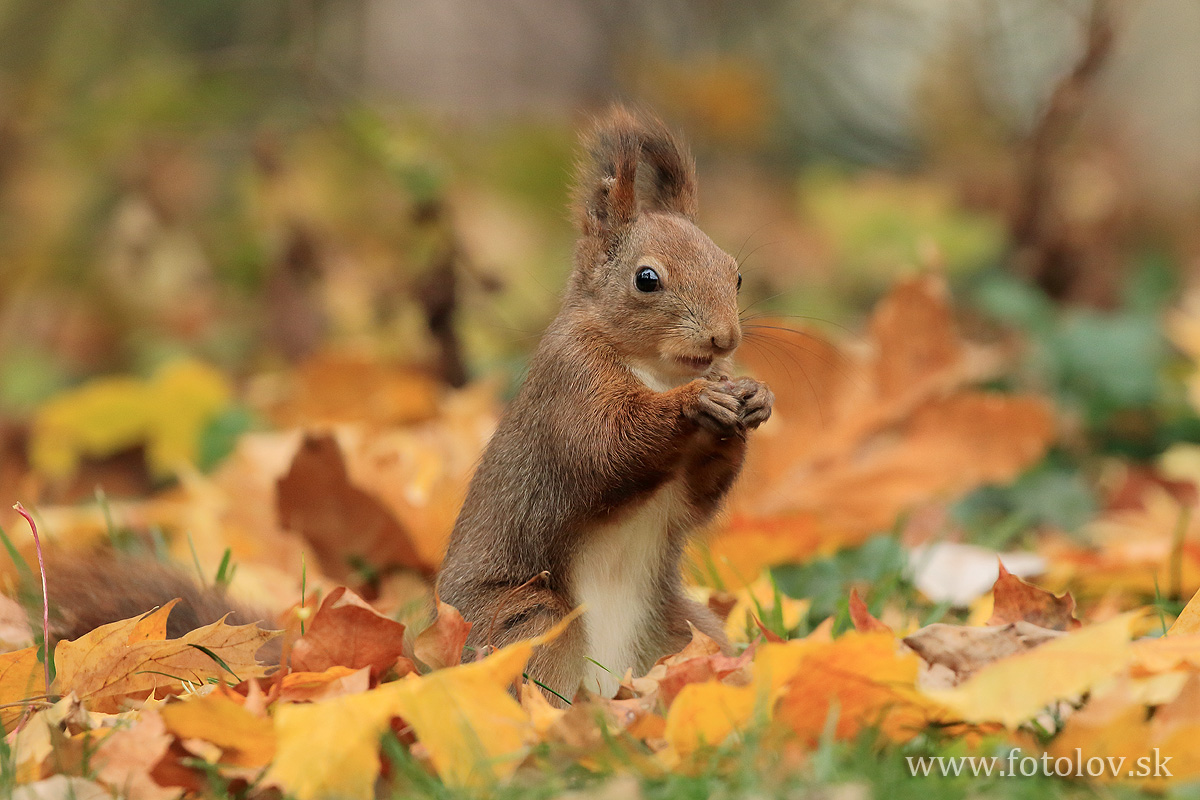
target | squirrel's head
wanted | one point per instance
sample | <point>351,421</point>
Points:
<point>663,293</point>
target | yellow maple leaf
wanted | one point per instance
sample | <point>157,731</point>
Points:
<point>474,731</point>
<point>131,657</point>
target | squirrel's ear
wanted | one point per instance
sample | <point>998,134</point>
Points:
<point>672,187</point>
<point>606,191</point>
<point>606,178</point>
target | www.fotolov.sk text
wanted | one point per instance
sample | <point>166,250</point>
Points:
<point>1152,765</point>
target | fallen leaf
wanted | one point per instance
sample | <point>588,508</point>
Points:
<point>964,650</point>
<point>473,729</point>
<point>124,759</point>
<point>21,677</point>
<point>863,679</point>
<point>864,621</point>
<point>1013,689</point>
<point>347,632</point>
<point>863,440</point>
<point>441,644</point>
<point>1017,601</point>
<point>245,739</point>
<point>344,524</point>
<point>131,658</point>
<point>333,682</point>
<point>106,415</point>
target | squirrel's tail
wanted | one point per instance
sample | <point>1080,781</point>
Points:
<point>94,589</point>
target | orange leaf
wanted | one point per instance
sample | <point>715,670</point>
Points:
<point>862,678</point>
<point>333,682</point>
<point>347,632</point>
<point>1015,600</point>
<point>21,677</point>
<point>441,644</point>
<point>864,621</point>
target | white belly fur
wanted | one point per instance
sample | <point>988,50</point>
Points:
<point>614,577</point>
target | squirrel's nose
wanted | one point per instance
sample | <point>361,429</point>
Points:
<point>725,342</point>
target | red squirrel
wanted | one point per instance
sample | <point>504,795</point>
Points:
<point>624,438</point>
<point>622,442</point>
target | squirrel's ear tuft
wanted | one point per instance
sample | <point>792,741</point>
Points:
<point>606,192</point>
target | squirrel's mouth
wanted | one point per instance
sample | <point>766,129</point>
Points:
<point>697,363</point>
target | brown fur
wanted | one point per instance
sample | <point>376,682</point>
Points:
<point>87,591</point>
<point>586,441</point>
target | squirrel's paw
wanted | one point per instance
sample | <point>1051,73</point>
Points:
<point>756,398</point>
<point>717,409</point>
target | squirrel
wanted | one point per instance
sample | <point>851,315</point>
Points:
<point>623,441</point>
<point>624,438</point>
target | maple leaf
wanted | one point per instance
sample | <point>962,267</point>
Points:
<point>864,621</point>
<point>867,679</point>
<point>796,684</point>
<point>861,440</point>
<point>347,632</point>
<point>473,729</point>
<point>133,657</point>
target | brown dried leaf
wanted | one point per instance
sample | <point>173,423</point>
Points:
<point>343,523</point>
<point>964,650</point>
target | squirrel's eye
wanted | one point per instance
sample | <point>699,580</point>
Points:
<point>739,281</point>
<point>646,280</point>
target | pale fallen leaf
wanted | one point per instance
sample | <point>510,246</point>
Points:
<point>125,758</point>
<point>957,573</point>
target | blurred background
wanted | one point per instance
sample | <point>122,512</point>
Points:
<point>287,193</point>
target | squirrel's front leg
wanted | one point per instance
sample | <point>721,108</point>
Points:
<point>724,411</point>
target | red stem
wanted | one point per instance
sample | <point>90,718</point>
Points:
<point>37,543</point>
